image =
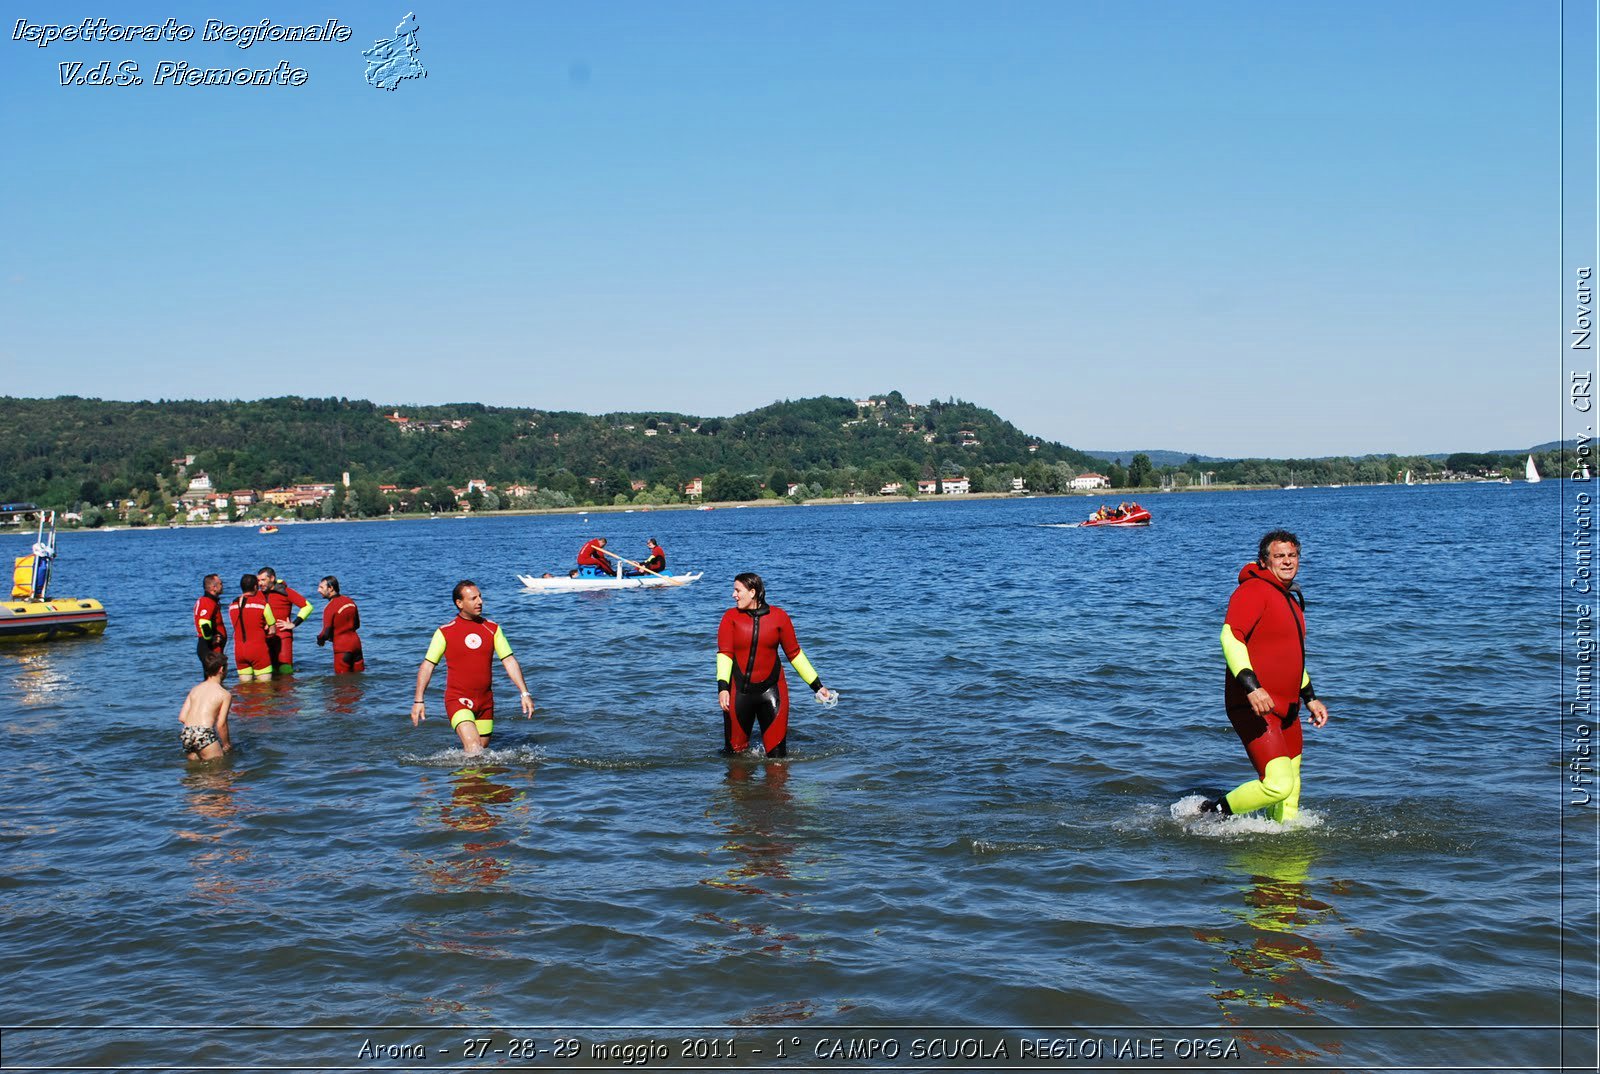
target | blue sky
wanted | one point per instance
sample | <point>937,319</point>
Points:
<point>1243,228</point>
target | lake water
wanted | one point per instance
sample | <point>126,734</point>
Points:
<point>974,850</point>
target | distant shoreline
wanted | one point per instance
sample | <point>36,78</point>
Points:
<point>832,501</point>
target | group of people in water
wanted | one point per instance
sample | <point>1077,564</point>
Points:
<point>751,689</point>
<point>1263,646</point>
<point>263,619</point>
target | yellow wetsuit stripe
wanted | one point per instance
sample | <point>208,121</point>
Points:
<point>502,647</point>
<point>1280,781</point>
<point>724,667</point>
<point>266,614</point>
<point>1234,651</point>
<point>305,611</point>
<point>435,648</point>
<point>808,674</point>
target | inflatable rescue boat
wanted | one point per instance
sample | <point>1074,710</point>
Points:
<point>31,614</point>
<point>1126,515</point>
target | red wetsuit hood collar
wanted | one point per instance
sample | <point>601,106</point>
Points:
<point>1256,570</point>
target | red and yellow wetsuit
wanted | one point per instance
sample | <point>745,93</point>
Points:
<point>469,649</point>
<point>283,601</point>
<point>251,615</point>
<point>748,668</point>
<point>1264,643</point>
<point>340,621</point>
<point>591,556</point>
<point>210,628</point>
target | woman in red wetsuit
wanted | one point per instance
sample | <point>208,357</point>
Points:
<point>340,621</point>
<point>750,683</point>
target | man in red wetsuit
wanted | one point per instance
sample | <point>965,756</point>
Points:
<point>290,609</point>
<point>340,621</point>
<point>468,645</point>
<point>591,556</point>
<point>1264,644</point>
<point>210,626</point>
<point>253,624</point>
<point>751,687</point>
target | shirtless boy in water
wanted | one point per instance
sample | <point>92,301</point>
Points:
<point>205,712</point>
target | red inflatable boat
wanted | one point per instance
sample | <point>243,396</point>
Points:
<point>1131,515</point>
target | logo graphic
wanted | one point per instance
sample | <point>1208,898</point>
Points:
<point>464,702</point>
<point>392,61</point>
<point>473,641</point>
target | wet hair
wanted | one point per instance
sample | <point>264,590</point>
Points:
<point>333,584</point>
<point>455,594</point>
<point>207,580</point>
<point>1273,538</point>
<point>752,580</point>
<point>248,583</point>
<point>650,540</point>
<point>269,570</point>
<point>212,661</point>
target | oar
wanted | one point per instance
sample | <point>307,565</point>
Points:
<point>631,563</point>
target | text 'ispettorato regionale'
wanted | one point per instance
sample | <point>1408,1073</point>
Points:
<point>179,72</point>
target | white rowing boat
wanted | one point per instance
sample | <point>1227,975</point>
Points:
<point>562,583</point>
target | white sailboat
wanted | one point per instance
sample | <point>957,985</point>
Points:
<point>1408,478</point>
<point>1533,472</point>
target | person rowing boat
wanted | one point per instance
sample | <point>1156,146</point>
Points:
<point>594,555</point>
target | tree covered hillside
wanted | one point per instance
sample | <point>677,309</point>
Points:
<point>67,451</point>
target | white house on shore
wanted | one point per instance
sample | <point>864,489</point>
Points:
<point>1091,481</point>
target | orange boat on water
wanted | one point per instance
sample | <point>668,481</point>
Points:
<point>268,529</point>
<point>1127,514</point>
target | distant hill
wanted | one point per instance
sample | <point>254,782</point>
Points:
<point>148,458</point>
<point>66,451</point>
<point>1158,458</point>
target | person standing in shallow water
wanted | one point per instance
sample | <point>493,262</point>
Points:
<point>1264,644</point>
<point>289,609</point>
<point>340,621</point>
<point>210,621</point>
<point>468,645</point>
<point>751,688</point>
<point>204,717</point>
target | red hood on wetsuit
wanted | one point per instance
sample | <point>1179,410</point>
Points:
<point>1268,618</point>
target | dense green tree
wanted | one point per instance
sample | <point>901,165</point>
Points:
<point>438,497</point>
<point>724,486</point>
